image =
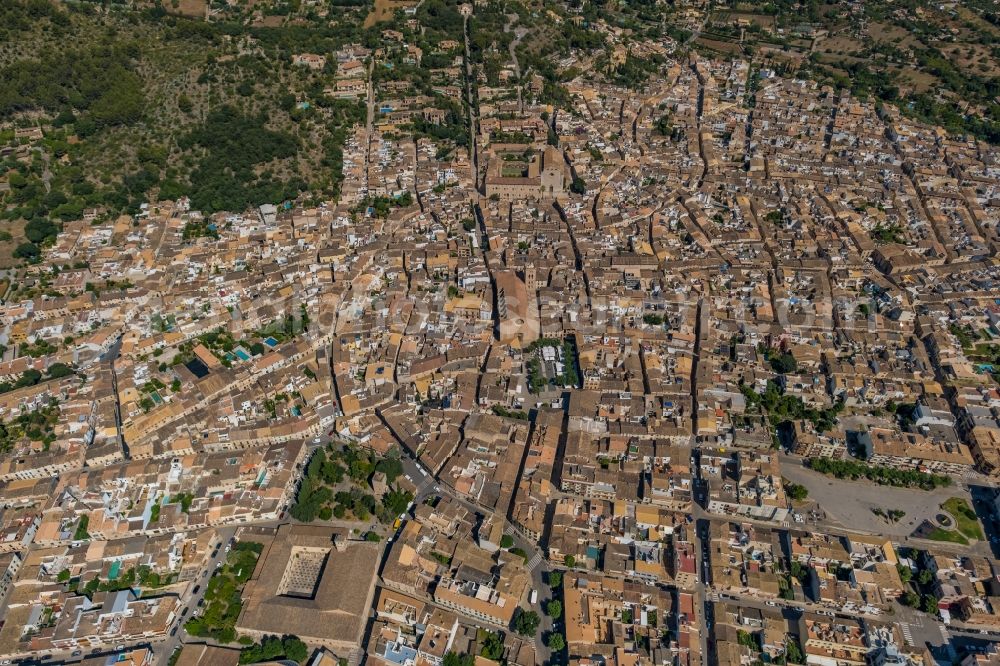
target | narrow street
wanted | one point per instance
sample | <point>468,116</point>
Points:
<point>111,356</point>
<point>178,636</point>
<point>369,123</point>
<point>519,34</point>
<point>471,102</point>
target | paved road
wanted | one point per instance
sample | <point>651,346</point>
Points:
<point>419,476</point>
<point>850,503</point>
<point>426,486</point>
<point>369,123</point>
<point>537,563</point>
<point>473,123</point>
<point>161,646</point>
<point>110,357</point>
<point>191,599</point>
<point>918,629</point>
<point>539,568</point>
<point>519,34</point>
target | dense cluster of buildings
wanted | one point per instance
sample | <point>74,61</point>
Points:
<point>603,335</point>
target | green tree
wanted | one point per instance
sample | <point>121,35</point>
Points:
<point>63,576</point>
<point>27,251</point>
<point>491,644</point>
<point>556,642</point>
<point>555,579</point>
<point>81,532</point>
<point>793,653</point>
<point>59,370</point>
<point>506,541</point>
<point>796,491</point>
<point>295,649</point>
<point>40,231</point>
<point>455,659</point>
<point>569,561</point>
<point>391,467</point>
<point>526,622</point>
<point>554,609</point>
<point>783,363</point>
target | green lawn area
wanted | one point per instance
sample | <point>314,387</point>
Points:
<point>941,534</point>
<point>968,522</point>
<point>514,170</point>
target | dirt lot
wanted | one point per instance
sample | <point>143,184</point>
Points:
<point>763,20</point>
<point>7,260</point>
<point>972,57</point>
<point>917,80</point>
<point>195,8</point>
<point>717,45</point>
<point>839,60</point>
<point>841,44</point>
<point>384,9</point>
<point>893,34</point>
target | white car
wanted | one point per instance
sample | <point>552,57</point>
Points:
<point>770,603</point>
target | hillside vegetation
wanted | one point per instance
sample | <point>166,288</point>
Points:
<point>143,103</point>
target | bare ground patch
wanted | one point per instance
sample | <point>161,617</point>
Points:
<point>16,230</point>
<point>384,9</point>
<point>194,8</point>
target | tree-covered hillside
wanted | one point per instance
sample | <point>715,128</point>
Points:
<point>103,106</point>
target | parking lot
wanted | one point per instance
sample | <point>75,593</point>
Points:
<point>849,504</point>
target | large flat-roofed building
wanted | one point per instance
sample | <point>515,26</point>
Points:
<point>314,583</point>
